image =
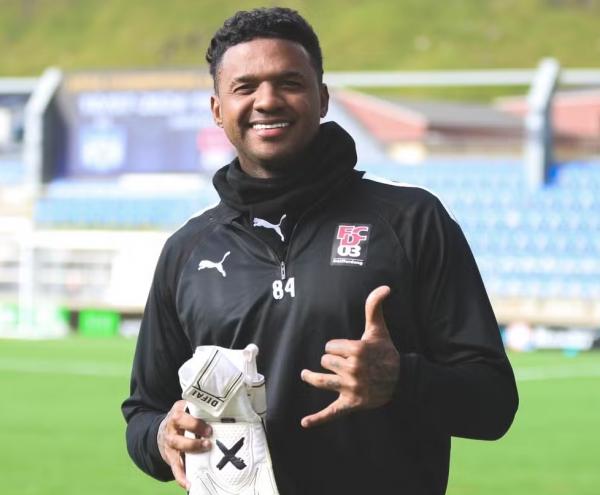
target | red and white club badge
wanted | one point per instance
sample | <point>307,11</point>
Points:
<point>350,244</point>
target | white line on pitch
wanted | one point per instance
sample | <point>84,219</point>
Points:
<point>84,368</point>
<point>556,372</point>
<point>90,368</point>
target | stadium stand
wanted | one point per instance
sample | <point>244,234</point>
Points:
<point>120,211</point>
<point>11,170</point>
<point>538,244</point>
<point>541,244</point>
<point>81,242</point>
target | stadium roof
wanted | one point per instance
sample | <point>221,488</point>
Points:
<point>399,120</point>
<point>448,114</point>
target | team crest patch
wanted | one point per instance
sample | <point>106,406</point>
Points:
<point>350,244</point>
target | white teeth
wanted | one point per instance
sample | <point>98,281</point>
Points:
<point>270,126</point>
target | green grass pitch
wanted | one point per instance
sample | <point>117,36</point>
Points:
<point>62,432</point>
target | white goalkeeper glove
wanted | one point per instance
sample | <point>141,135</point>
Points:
<point>223,388</point>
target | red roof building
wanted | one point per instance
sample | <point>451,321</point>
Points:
<point>412,130</point>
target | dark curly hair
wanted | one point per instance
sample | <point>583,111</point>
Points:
<point>275,22</point>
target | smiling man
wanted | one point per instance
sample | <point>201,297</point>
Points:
<point>269,101</point>
<point>376,336</point>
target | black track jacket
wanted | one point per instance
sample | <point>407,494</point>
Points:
<point>455,378</point>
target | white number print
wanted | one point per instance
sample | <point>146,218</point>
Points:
<point>353,251</point>
<point>280,290</point>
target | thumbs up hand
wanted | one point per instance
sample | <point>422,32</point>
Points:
<point>364,371</point>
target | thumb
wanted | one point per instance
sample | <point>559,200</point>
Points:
<point>375,326</point>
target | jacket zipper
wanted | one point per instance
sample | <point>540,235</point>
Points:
<point>282,262</point>
<point>269,248</point>
<point>289,246</point>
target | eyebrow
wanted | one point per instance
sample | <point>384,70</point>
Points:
<point>279,76</point>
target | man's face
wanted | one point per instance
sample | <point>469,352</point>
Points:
<point>269,102</point>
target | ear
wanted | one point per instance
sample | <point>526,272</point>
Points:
<point>324,93</point>
<point>215,108</point>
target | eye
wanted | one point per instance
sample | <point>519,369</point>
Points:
<point>244,89</point>
<point>290,83</point>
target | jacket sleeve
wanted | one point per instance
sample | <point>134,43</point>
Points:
<point>461,378</point>
<point>162,347</point>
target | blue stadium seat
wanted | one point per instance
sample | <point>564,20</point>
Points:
<point>118,212</point>
<point>538,244</point>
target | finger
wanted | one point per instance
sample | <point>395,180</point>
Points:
<point>375,326</point>
<point>324,381</point>
<point>184,444</point>
<point>187,422</point>
<point>334,410</point>
<point>335,363</point>
<point>178,470</point>
<point>179,406</point>
<point>343,347</point>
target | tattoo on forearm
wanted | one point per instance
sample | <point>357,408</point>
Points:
<point>160,438</point>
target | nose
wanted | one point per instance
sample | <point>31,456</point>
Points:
<point>267,98</point>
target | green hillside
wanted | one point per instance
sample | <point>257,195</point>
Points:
<point>356,35</point>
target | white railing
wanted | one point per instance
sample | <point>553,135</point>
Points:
<point>387,79</point>
<point>17,85</point>
<point>466,78</point>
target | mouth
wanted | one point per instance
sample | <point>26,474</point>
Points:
<point>273,130</point>
<point>271,125</point>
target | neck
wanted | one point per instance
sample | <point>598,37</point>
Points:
<point>258,171</point>
<point>274,169</point>
<point>293,164</point>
